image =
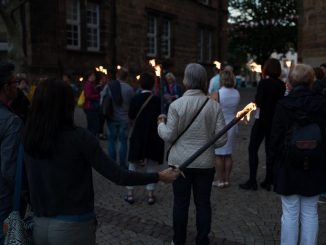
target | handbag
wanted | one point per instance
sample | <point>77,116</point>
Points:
<point>18,231</point>
<point>188,126</point>
<point>81,99</point>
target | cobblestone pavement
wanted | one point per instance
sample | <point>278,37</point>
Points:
<point>239,217</point>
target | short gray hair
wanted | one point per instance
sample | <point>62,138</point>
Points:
<point>170,75</point>
<point>301,74</point>
<point>195,77</point>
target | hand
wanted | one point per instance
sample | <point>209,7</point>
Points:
<point>161,118</point>
<point>168,175</point>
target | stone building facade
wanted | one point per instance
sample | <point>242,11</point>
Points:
<point>75,35</point>
<point>312,31</point>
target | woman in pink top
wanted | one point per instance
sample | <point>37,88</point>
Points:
<point>92,100</point>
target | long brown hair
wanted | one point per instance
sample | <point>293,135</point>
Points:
<point>52,111</point>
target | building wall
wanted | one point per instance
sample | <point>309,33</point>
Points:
<point>312,32</point>
<point>186,16</point>
<point>46,35</point>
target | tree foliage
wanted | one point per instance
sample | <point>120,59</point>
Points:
<point>259,27</point>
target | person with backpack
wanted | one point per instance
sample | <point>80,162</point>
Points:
<point>298,148</point>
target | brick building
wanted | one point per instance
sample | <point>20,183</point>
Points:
<point>74,35</point>
<point>312,31</point>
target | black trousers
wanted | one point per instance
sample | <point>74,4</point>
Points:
<point>259,132</point>
<point>200,182</point>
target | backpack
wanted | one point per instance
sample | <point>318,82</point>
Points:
<point>107,104</point>
<point>304,144</point>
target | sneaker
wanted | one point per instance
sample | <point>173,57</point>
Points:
<point>218,184</point>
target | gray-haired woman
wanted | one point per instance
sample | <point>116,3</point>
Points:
<point>299,173</point>
<point>200,174</point>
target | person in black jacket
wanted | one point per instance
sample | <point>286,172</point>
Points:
<point>146,148</point>
<point>59,159</point>
<point>299,188</point>
<point>270,89</point>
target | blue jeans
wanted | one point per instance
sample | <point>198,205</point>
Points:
<point>93,122</point>
<point>299,212</point>
<point>200,181</point>
<point>118,132</point>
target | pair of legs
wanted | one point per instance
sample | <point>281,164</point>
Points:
<point>259,132</point>
<point>48,231</point>
<point>92,121</point>
<point>149,167</point>
<point>200,182</point>
<point>299,210</point>
<point>223,167</point>
<point>101,122</point>
<point>118,133</point>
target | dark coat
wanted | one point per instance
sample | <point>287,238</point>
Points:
<point>144,142</point>
<point>288,179</point>
<point>269,91</point>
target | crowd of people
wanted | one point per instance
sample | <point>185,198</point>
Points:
<point>140,131</point>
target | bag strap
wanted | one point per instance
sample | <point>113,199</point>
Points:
<point>143,106</point>
<point>140,110</point>
<point>192,120</point>
<point>18,178</point>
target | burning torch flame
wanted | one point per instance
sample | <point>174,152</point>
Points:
<point>138,77</point>
<point>254,66</point>
<point>156,67</point>
<point>157,70</point>
<point>288,63</point>
<point>152,62</point>
<point>217,64</point>
<point>118,67</point>
<point>246,111</point>
<point>101,69</point>
<point>81,79</point>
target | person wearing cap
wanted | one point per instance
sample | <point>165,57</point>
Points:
<point>10,135</point>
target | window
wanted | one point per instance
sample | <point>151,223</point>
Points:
<point>73,24</point>
<point>159,36</point>
<point>205,45</point>
<point>152,36</point>
<point>166,38</point>
<point>93,27</point>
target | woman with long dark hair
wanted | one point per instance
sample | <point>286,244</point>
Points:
<point>59,159</point>
<point>270,89</point>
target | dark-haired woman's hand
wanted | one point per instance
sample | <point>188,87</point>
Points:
<point>168,175</point>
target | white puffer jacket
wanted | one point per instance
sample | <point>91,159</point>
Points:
<point>207,124</point>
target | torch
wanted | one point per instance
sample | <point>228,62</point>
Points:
<point>241,114</point>
<point>158,73</point>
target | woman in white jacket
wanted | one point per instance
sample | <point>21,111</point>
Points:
<point>200,173</point>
